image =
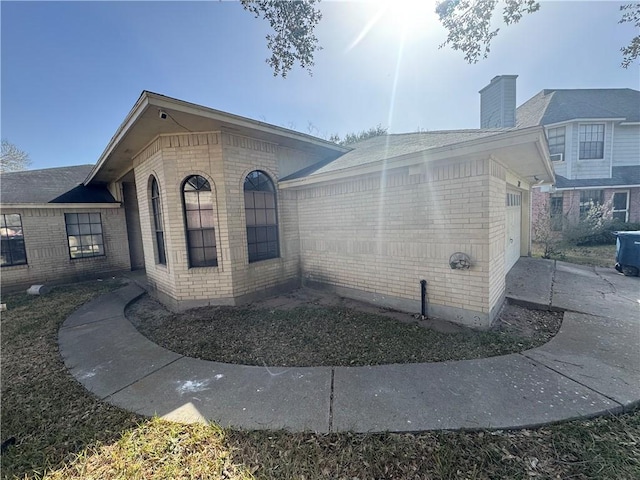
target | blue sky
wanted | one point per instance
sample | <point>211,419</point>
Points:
<point>71,71</point>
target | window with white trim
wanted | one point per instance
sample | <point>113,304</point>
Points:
<point>84,234</point>
<point>556,211</point>
<point>590,199</point>
<point>620,204</point>
<point>591,141</point>
<point>556,139</point>
<point>12,239</point>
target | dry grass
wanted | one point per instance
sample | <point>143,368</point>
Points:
<point>50,415</point>
<point>315,335</point>
<point>65,432</point>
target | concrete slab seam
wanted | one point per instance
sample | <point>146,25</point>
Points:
<point>601,277</point>
<point>142,377</point>
<point>71,327</point>
<point>553,282</point>
<point>537,361</point>
<point>333,370</point>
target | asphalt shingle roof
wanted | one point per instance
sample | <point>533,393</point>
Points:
<point>620,176</point>
<point>51,185</point>
<point>554,106</point>
<point>389,146</point>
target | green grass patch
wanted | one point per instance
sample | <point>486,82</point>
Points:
<point>318,336</point>
<point>593,255</point>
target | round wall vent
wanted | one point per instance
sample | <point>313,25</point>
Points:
<point>459,261</point>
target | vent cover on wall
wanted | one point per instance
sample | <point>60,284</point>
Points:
<point>459,261</point>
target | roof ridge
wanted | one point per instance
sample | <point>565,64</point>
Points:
<point>49,168</point>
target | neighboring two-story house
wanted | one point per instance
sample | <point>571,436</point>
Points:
<point>594,144</point>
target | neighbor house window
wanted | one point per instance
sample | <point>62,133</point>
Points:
<point>556,212</point>
<point>199,214</point>
<point>590,199</point>
<point>556,138</point>
<point>591,141</point>
<point>620,203</point>
<point>262,218</point>
<point>156,207</point>
<point>12,238</point>
<point>84,233</point>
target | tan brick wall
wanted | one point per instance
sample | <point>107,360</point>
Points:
<point>47,248</point>
<point>384,233</point>
<point>224,159</point>
<point>497,231</point>
<point>378,234</point>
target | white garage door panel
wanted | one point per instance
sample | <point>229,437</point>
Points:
<point>513,228</point>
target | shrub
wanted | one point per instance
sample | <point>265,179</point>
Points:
<point>543,232</point>
<point>597,228</point>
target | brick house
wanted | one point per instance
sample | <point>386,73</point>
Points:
<point>594,144</point>
<point>221,209</point>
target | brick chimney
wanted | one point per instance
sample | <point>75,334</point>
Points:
<point>498,103</point>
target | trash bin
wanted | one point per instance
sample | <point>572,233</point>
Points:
<point>628,253</point>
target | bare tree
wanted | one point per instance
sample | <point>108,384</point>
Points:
<point>13,159</point>
<point>355,137</point>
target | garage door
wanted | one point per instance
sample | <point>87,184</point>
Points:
<point>513,223</point>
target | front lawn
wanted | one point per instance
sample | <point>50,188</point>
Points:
<point>63,430</point>
<point>594,255</point>
<point>314,333</point>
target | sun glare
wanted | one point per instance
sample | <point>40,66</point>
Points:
<point>410,17</point>
<point>407,19</point>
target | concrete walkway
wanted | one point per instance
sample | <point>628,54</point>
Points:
<point>591,367</point>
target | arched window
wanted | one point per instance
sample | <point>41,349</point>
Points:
<point>156,207</point>
<point>198,211</point>
<point>262,217</point>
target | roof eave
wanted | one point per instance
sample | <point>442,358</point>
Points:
<point>149,99</point>
<point>128,122</point>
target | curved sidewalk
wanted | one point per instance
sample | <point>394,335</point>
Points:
<point>591,367</point>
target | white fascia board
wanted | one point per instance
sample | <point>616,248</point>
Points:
<point>573,120</point>
<point>597,187</point>
<point>599,120</point>
<point>59,206</point>
<point>629,123</point>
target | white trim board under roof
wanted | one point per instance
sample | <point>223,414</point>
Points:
<point>144,122</point>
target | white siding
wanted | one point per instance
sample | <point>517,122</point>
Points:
<point>626,147</point>
<point>563,168</point>
<point>598,168</point>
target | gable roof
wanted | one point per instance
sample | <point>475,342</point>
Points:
<point>51,185</point>
<point>154,114</point>
<point>554,106</point>
<point>389,146</point>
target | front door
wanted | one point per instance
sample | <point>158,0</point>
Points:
<point>134,232</point>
